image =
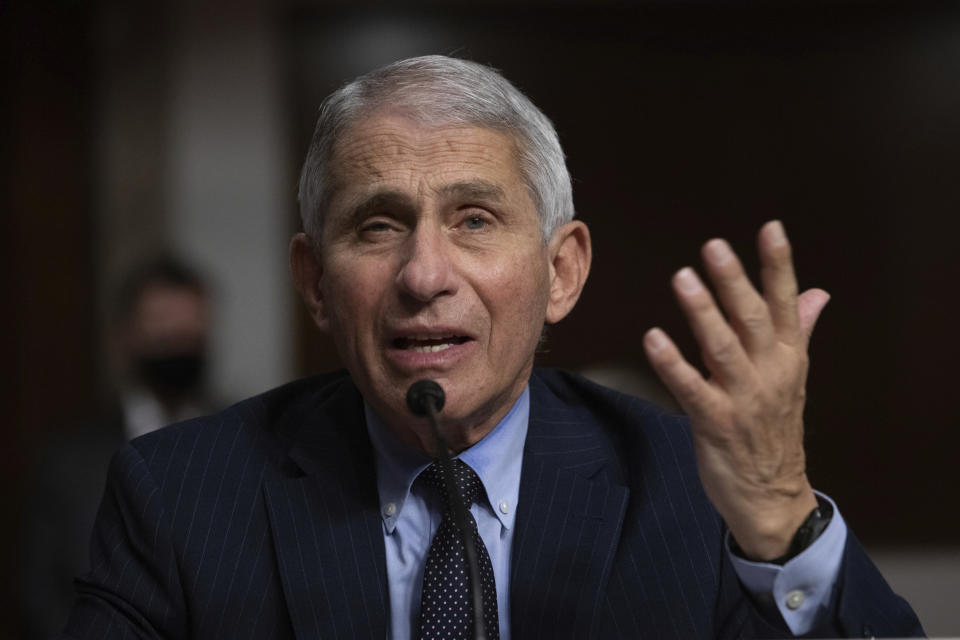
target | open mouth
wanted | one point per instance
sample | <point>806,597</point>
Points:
<point>428,344</point>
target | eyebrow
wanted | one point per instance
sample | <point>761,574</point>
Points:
<point>385,199</point>
<point>473,190</point>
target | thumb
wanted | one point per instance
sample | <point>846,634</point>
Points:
<point>809,305</point>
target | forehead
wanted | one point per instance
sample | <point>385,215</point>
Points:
<point>397,151</point>
<point>161,304</point>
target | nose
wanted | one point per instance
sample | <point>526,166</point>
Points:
<point>427,271</point>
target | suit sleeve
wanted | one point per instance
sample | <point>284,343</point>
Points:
<point>866,606</point>
<point>133,588</point>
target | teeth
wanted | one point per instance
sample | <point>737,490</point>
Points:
<point>431,348</point>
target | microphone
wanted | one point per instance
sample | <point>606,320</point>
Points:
<point>426,398</point>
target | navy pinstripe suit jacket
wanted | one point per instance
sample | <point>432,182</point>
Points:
<point>263,522</point>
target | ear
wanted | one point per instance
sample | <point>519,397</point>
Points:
<point>570,256</point>
<point>307,271</point>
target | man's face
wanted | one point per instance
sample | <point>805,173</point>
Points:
<point>169,320</point>
<point>164,341</point>
<point>433,266</point>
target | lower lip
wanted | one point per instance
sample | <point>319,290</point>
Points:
<point>410,361</point>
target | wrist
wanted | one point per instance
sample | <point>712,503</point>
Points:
<point>766,531</point>
<point>803,536</point>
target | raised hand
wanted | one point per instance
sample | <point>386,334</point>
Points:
<point>747,417</point>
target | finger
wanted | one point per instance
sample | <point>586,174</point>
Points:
<point>779,280</point>
<point>685,383</point>
<point>722,351</point>
<point>809,305</point>
<point>746,309</point>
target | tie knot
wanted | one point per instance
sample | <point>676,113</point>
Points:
<point>468,482</point>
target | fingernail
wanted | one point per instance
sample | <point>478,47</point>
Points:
<point>655,339</point>
<point>687,280</point>
<point>718,251</point>
<point>775,233</point>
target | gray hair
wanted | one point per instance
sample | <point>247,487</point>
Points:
<point>442,91</point>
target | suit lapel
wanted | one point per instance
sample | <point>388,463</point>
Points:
<point>326,525</point>
<point>568,520</point>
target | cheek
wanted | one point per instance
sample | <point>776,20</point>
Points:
<point>518,298</point>
<point>352,295</point>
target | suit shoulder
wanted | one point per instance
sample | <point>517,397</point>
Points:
<point>643,435</point>
<point>580,394</point>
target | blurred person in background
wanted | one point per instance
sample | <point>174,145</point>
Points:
<point>159,333</point>
<point>160,346</point>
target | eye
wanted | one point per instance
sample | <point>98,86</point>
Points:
<point>474,218</point>
<point>375,226</point>
<point>377,229</point>
<point>475,223</point>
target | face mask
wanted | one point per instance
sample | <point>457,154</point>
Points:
<point>176,373</point>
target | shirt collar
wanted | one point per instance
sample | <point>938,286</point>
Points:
<point>143,413</point>
<point>496,459</point>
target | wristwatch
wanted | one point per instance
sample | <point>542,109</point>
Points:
<point>808,532</point>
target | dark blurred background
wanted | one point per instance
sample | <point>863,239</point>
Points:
<point>132,128</point>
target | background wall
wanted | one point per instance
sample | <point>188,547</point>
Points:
<point>138,126</point>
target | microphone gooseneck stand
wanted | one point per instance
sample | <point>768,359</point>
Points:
<point>426,398</point>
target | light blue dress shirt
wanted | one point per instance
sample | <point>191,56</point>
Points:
<point>412,512</point>
<point>801,589</point>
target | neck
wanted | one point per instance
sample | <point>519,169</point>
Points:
<point>460,434</point>
<point>417,434</point>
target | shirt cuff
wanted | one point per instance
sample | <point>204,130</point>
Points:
<point>802,588</point>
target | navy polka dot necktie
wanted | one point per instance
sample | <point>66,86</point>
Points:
<point>446,609</point>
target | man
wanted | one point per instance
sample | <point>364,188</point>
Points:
<point>439,239</point>
<point>159,333</point>
<point>159,345</point>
